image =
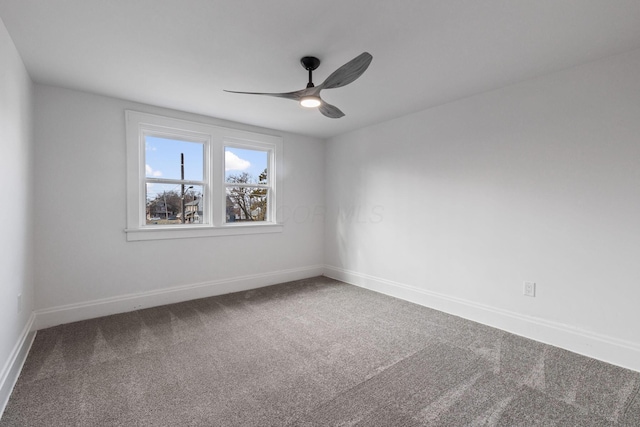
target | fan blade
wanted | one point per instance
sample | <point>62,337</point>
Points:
<point>348,72</point>
<point>288,95</point>
<point>330,111</point>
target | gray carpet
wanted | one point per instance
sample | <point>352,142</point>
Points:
<point>315,352</point>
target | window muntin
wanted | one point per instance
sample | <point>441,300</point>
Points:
<point>205,193</point>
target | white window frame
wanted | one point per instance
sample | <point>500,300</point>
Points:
<point>215,139</point>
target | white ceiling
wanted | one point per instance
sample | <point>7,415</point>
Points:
<point>181,54</point>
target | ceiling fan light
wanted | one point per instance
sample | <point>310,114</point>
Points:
<point>310,102</point>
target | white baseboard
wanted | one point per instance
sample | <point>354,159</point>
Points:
<point>13,366</point>
<point>607,349</point>
<point>53,316</point>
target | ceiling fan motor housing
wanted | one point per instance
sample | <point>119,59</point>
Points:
<point>310,62</point>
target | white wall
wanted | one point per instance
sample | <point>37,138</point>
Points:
<point>16,220</point>
<point>85,266</point>
<point>454,207</point>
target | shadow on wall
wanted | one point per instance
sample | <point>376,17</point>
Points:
<point>350,222</point>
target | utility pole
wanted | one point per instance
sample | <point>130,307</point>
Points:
<point>166,212</point>
<point>182,186</point>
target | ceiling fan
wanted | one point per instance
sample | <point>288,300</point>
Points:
<point>310,96</point>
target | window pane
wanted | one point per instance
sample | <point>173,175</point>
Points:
<point>246,204</point>
<point>245,166</point>
<point>165,204</point>
<point>163,158</point>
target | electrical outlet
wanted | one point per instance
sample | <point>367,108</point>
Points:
<point>19,303</point>
<point>529,289</point>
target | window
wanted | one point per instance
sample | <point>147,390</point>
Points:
<point>174,180</point>
<point>187,179</point>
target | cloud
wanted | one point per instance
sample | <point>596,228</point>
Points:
<point>234,163</point>
<point>150,172</point>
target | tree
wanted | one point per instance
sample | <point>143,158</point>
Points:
<point>250,203</point>
<point>259,198</point>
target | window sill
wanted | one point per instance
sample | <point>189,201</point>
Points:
<point>188,232</point>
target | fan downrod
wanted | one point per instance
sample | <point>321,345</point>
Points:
<point>310,63</point>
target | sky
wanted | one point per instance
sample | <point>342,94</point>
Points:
<point>162,160</point>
